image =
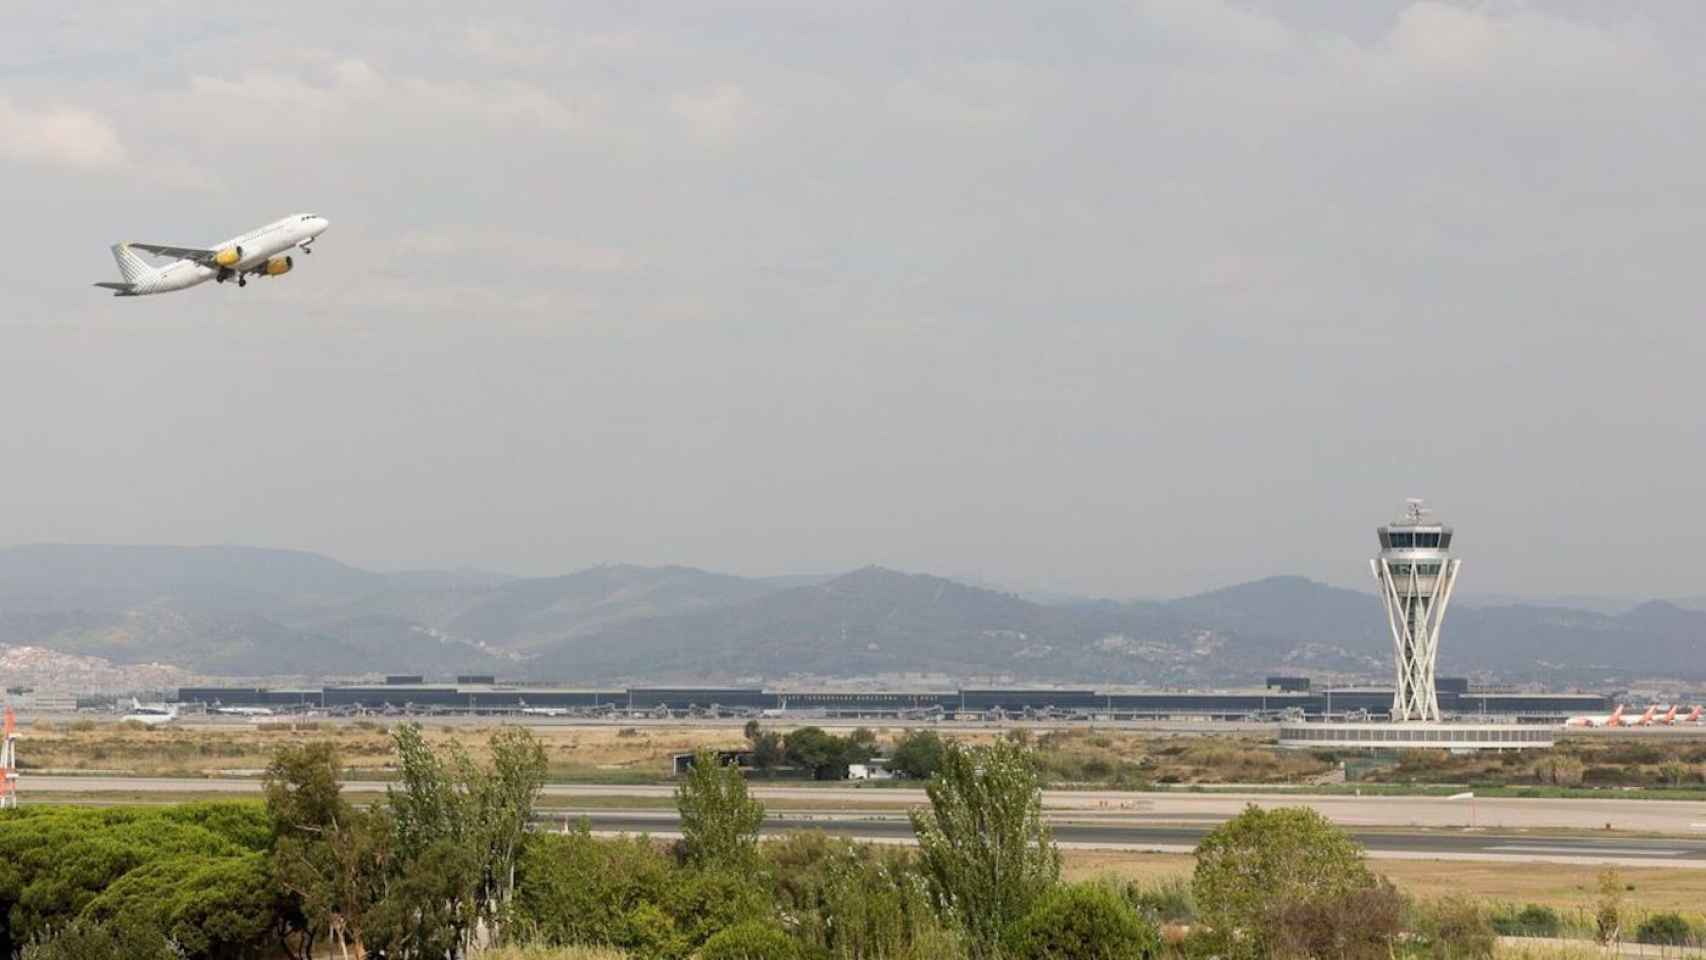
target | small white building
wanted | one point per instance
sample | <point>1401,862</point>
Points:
<point>876,768</point>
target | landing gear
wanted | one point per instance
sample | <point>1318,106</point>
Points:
<point>223,275</point>
<point>242,281</point>
<point>304,247</point>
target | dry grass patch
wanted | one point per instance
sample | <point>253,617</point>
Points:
<point>1563,887</point>
<point>196,750</point>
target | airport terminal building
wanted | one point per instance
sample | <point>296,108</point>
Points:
<point>1282,698</point>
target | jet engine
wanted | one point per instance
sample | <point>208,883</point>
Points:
<point>228,256</point>
<point>278,265</point>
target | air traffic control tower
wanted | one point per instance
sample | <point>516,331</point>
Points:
<point>1415,573</point>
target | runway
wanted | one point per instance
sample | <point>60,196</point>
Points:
<point>1407,844</point>
<point>1585,830</point>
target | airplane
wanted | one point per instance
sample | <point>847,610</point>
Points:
<point>1614,720</point>
<point>1693,716</point>
<point>244,711</point>
<point>260,252</point>
<point>543,711</point>
<point>152,715</point>
<point>1646,718</point>
<point>1669,719</point>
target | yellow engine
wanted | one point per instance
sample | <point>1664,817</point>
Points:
<point>279,265</point>
<point>228,256</point>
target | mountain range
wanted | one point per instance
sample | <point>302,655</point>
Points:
<point>251,612</point>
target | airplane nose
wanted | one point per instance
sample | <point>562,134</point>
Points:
<point>320,224</point>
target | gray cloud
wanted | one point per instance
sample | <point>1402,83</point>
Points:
<point>1135,298</point>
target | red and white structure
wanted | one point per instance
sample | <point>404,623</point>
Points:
<point>9,762</point>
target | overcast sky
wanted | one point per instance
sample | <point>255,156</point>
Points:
<point>1138,298</point>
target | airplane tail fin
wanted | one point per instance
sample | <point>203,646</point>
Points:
<point>1616,716</point>
<point>130,266</point>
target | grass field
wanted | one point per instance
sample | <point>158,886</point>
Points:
<point>1564,887</point>
<point>1641,768</point>
<point>575,754</point>
<point>620,754</point>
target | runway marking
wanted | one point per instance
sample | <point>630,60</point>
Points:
<point>1591,851</point>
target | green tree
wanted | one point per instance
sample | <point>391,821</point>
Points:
<point>55,861</point>
<point>769,751</point>
<point>1260,862</point>
<point>430,908</point>
<point>328,857</point>
<point>209,907</point>
<point>501,802</point>
<point>860,745</point>
<point>447,810</point>
<point>983,847</point>
<point>918,754</point>
<point>719,822</point>
<point>824,754</point>
<point>1082,922</point>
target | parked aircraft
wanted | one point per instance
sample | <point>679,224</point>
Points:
<point>1646,718</point>
<point>1693,716</point>
<point>153,714</point>
<point>260,252</point>
<point>1615,719</point>
<point>243,711</point>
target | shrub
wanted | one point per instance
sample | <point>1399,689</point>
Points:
<point>754,940</point>
<point>1169,901</point>
<point>1532,920</point>
<point>1263,861</point>
<point>1608,912</point>
<point>851,900</point>
<point>578,889</point>
<point>1360,924</point>
<point>1081,922</point>
<point>1669,929</point>
<point>1456,928</point>
<point>86,940</point>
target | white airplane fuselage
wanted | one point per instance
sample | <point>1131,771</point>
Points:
<point>260,251</point>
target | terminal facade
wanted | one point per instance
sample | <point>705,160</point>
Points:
<point>1283,697</point>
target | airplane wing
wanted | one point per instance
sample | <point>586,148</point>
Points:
<point>198,254</point>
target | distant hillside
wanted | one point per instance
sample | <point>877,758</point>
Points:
<point>250,611</point>
<point>881,621</point>
<point>52,577</point>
